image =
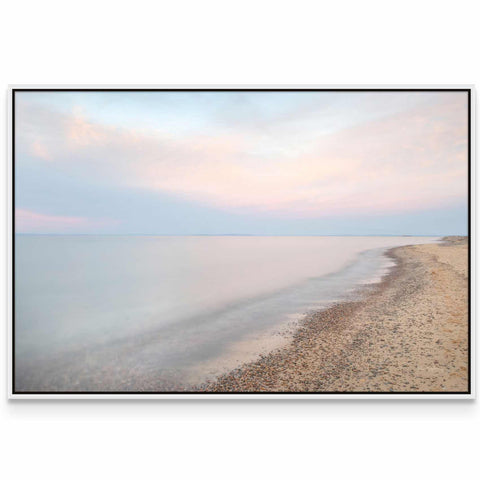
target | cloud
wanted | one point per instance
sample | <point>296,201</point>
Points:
<point>415,157</point>
<point>28,221</point>
<point>39,150</point>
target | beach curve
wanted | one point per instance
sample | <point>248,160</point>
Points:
<point>407,334</point>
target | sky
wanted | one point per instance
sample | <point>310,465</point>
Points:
<point>261,163</point>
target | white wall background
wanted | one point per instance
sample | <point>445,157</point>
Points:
<point>273,42</point>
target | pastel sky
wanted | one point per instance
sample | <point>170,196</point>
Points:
<point>269,163</point>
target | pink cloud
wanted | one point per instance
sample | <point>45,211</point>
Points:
<point>82,133</point>
<point>403,161</point>
<point>28,221</point>
<point>39,150</point>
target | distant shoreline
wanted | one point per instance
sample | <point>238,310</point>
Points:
<point>409,334</point>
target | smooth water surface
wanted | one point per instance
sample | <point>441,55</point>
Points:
<point>99,313</point>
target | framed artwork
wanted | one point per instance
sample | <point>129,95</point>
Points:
<point>241,241</point>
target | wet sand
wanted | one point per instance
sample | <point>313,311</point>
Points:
<point>408,334</point>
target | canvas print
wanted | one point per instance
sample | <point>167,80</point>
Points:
<point>209,241</point>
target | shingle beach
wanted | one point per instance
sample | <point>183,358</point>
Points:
<point>408,334</point>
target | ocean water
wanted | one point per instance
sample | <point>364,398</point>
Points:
<point>134,313</point>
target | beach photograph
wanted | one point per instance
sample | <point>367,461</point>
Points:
<point>206,241</point>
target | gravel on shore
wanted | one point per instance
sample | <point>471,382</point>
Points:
<point>409,334</point>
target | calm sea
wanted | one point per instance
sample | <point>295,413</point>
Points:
<point>119,313</point>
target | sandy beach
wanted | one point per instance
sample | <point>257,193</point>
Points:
<point>407,334</point>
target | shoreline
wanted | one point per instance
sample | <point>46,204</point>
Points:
<point>276,337</point>
<point>407,333</point>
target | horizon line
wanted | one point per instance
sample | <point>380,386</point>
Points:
<point>242,234</point>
